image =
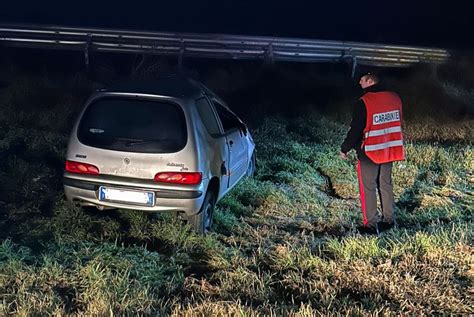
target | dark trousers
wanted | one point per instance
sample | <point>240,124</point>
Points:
<point>372,178</point>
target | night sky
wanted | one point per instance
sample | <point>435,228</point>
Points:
<point>433,23</point>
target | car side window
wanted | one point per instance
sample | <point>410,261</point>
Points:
<point>207,116</point>
<point>228,119</point>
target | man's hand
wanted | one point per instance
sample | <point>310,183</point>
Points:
<point>343,155</point>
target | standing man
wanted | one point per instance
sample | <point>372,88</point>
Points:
<point>376,135</point>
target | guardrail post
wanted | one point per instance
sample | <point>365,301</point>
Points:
<point>269,58</point>
<point>180,57</point>
<point>86,49</point>
<point>354,66</point>
<point>434,71</point>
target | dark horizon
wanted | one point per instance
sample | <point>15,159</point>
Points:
<point>415,24</point>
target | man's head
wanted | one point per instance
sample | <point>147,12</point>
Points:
<point>368,80</point>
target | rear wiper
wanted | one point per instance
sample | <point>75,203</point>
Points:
<point>144,142</point>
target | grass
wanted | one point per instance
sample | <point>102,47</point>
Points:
<point>284,243</point>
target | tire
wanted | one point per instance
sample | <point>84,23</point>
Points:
<point>202,222</point>
<point>251,167</point>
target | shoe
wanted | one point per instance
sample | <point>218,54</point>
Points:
<point>383,226</point>
<point>367,230</point>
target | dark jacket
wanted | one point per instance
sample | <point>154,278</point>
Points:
<point>359,118</point>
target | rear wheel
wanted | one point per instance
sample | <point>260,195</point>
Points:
<point>202,222</point>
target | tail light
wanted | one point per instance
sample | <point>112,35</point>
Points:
<point>179,178</point>
<point>81,168</point>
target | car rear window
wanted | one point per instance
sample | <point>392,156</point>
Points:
<point>133,125</point>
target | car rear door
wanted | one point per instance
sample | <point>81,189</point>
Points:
<point>219,151</point>
<point>238,158</point>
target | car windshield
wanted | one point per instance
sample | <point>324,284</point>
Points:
<point>133,125</point>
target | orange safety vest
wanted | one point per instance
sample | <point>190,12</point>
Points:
<point>383,139</point>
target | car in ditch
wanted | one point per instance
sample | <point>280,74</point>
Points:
<point>168,145</point>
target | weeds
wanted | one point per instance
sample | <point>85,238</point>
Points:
<point>283,244</point>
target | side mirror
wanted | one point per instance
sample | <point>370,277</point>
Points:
<point>243,128</point>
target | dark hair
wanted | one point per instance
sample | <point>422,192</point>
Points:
<point>375,78</point>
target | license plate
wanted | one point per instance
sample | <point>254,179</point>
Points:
<point>126,196</point>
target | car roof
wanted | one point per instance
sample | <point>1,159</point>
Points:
<point>177,86</point>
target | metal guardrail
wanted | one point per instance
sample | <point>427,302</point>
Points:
<point>217,46</point>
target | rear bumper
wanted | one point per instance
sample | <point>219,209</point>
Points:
<point>86,192</point>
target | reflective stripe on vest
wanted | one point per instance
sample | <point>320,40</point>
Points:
<point>383,139</point>
<point>383,131</point>
<point>382,146</point>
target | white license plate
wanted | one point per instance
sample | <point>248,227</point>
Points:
<point>126,196</point>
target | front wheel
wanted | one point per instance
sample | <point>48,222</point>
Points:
<point>202,222</point>
<point>251,167</point>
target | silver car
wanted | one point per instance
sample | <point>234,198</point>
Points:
<point>171,145</point>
